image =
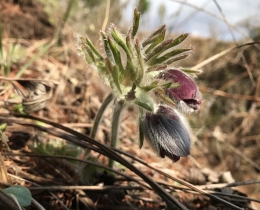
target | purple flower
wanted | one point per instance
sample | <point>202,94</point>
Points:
<point>167,133</point>
<point>187,96</point>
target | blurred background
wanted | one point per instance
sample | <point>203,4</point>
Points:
<point>203,18</point>
<point>39,41</point>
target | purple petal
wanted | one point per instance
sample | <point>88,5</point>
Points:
<point>167,132</point>
<point>187,92</point>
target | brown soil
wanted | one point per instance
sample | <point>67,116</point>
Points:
<point>24,19</point>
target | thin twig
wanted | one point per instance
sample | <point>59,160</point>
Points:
<point>87,188</point>
<point>191,15</point>
<point>248,182</point>
<point>80,160</point>
<point>226,21</point>
<point>230,95</point>
<point>217,56</point>
<point>171,201</point>
<point>241,154</point>
<point>109,152</point>
<point>28,79</point>
<point>104,25</point>
<point>37,205</point>
<point>176,16</point>
<point>190,186</point>
<point>211,14</point>
<point>235,41</point>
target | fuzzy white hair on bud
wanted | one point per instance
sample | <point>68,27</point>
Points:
<point>168,133</point>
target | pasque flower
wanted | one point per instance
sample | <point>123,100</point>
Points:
<point>167,132</point>
<point>143,76</point>
<point>146,80</point>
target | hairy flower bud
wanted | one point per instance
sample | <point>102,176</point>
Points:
<point>167,132</point>
<point>187,96</point>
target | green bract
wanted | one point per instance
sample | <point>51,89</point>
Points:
<point>130,79</point>
<point>142,79</point>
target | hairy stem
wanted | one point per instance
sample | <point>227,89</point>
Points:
<point>118,107</point>
<point>99,115</point>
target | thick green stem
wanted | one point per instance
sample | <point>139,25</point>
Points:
<point>118,107</point>
<point>99,115</point>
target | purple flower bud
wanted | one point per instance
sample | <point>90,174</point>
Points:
<point>187,96</point>
<point>167,132</point>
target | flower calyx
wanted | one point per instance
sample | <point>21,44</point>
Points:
<point>186,95</point>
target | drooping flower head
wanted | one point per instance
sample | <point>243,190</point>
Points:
<point>167,132</point>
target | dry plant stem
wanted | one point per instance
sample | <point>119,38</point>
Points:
<point>37,205</point>
<point>173,188</point>
<point>189,17</point>
<point>190,186</point>
<point>8,201</point>
<point>226,21</point>
<point>3,171</point>
<point>230,95</point>
<point>99,115</point>
<point>76,159</point>
<point>254,164</point>
<point>195,188</point>
<point>131,167</point>
<point>86,188</point>
<point>235,41</point>
<point>118,107</point>
<point>224,52</point>
<point>211,14</point>
<point>106,15</point>
<point>28,79</point>
<point>237,197</point>
<point>172,202</point>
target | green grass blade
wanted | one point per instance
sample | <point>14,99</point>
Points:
<point>43,50</point>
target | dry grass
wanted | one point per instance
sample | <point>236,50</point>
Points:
<point>226,134</point>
